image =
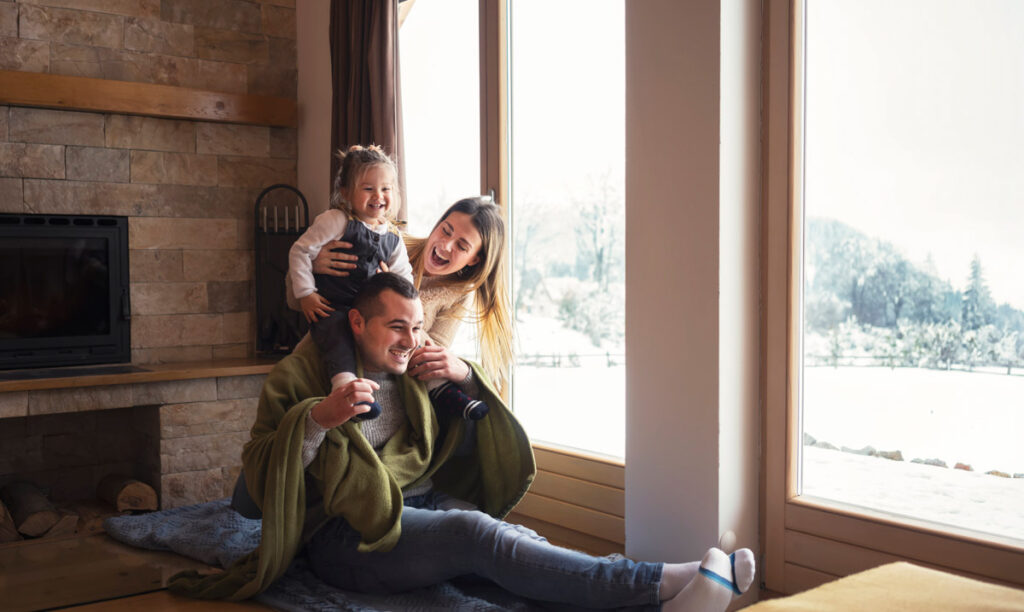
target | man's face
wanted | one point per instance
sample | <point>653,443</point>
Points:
<point>387,339</point>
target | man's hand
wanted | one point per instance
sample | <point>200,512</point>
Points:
<point>334,264</point>
<point>344,403</point>
<point>434,361</point>
<point>315,307</point>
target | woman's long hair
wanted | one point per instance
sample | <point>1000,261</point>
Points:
<point>487,280</point>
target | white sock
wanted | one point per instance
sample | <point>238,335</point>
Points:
<point>719,578</point>
<point>674,577</point>
<point>340,379</point>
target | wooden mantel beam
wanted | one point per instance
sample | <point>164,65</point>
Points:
<point>102,95</point>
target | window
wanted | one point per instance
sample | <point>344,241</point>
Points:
<point>440,71</point>
<point>567,115</point>
<point>904,309</point>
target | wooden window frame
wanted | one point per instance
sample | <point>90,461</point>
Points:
<point>808,541</point>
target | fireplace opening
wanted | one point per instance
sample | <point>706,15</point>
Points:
<point>64,290</point>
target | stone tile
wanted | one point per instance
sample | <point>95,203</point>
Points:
<point>188,488</point>
<point>229,296</point>
<point>56,127</point>
<point>125,132</point>
<point>155,36</point>
<point>31,160</point>
<point>174,168</point>
<point>161,233</point>
<point>9,20</point>
<point>255,171</point>
<point>217,265</point>
<point>53,401</point>
<point>287,3</point>
<point>199,202</point>
<point>228,139</point>
<point>13,404</point>
<point>204,418</point>
<point>231,46</point>
<point>72,60</point>
<point>97,164</point>
<point>79,197</point>
<point>238,327</point>
<point>171,354</point>
<point>175,391</point>
<point>284,142</point>
<point>142,67</point>
<point>14,427</point>
<point>70,26</point>
<point>4,111</point>
<point>278,77</point>
<point>22,455</point>
<point>68,451</point>
<point>247,233</point>
<point>222,76</point>
<point>168,298</point>
<point>278,21</point>
<point>24,55</point>
<point>236,15</point>
<point>128,8</point>
<point>202,452</point>
<point>11,198</point>
<point>232,351</point>
<point>152,331</point>
<point>53,424</point>
<point>238,387</point>
<point>156,265</point>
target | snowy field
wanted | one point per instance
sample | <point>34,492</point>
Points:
<point>971,418</point>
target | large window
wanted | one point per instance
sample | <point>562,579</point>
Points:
<point>906,363</point>
<point>567,114</point>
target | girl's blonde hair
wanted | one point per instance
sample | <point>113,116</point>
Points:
<point>487,280</point>
<point>354,164</point>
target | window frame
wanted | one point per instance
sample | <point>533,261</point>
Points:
<point>808,541</point>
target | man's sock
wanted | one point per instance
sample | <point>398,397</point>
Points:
<point>675,576</point>
<point>719,578</point>
<point>449,400</point>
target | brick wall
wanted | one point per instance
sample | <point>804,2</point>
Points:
<point>187,187</point>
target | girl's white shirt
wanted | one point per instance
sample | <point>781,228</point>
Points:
<point>330,225</point>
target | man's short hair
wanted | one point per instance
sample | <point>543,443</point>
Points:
<point>368,302</point>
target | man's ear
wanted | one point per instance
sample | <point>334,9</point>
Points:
<point>356,321</point>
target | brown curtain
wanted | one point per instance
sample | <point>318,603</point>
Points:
<point>367,101</point>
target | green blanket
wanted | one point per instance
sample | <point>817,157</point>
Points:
<point>356,483</point>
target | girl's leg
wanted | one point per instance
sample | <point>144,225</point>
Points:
<point>439,545</point>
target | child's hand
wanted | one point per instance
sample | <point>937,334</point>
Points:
<point>383,267</point>
<point>315,307</point>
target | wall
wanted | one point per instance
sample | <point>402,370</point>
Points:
<point>187,187</point>
<point>691,217</point>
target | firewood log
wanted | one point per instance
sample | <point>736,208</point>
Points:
<point>33,514</point>
<point>67,525</point>
<point>126,493</point>
<point>8,530</point>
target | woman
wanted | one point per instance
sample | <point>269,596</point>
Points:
<point>459,270</point>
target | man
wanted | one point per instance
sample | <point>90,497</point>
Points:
<point>387,520</point>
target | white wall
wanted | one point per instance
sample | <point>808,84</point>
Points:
<point>312,23</point>
<point>692,172</point>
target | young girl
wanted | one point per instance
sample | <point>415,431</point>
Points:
<point>361,213</point>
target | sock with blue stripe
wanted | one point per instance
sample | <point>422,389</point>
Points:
<point>719,578</point>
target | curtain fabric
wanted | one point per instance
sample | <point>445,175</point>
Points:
<point>367,101</point>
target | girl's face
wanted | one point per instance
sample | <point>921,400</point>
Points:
<point>371,195</point>
<point>453,245</point>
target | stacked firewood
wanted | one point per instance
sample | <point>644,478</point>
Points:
<point>26,512</point>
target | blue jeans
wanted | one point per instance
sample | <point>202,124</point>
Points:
<point>438,545</point>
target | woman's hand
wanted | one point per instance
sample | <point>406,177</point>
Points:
<point>315,307</point>
<point>334,264</point>
<point>344,403</point>
<point>433,361</point>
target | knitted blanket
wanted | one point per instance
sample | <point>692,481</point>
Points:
<point>217,535</point>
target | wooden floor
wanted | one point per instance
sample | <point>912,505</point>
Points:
<point>95,573</point>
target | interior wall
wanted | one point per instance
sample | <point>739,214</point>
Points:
<point>312,21</point>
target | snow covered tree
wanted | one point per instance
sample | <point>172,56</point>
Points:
<point>977,308</point>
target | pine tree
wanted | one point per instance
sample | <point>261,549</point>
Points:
<point>977,306</point>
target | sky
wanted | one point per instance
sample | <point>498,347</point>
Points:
<point>915,130</point>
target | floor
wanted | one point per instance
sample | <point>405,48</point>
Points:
<point>94,573</point>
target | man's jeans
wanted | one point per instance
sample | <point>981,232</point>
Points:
<point>437,545</point>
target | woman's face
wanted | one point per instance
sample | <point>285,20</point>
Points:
<point>453,245</point>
